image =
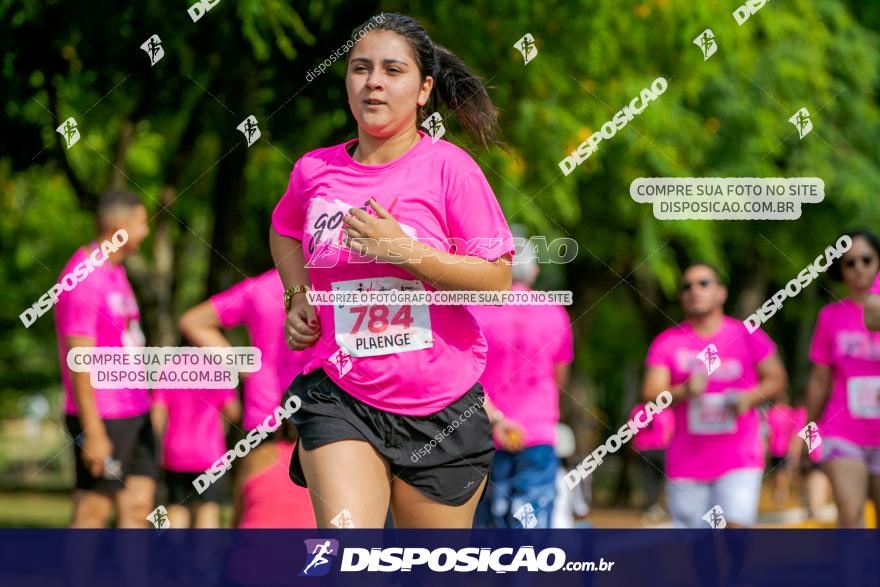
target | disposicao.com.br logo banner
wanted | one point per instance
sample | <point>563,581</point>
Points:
<point>321,553</point>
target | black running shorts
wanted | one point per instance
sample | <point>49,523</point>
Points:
<point>445,455</point>
<point>134,446</point>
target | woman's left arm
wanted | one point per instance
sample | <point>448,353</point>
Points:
<point>383,239</point>
<point>445,271</point>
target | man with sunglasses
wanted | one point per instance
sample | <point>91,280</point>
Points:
<point>718,374</point>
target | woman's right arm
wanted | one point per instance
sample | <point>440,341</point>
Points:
<point>301,326</point>
<point>200,325</point>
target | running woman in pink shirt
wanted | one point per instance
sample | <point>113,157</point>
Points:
<point>843,392</point>
<point>530,351</point>
<point>114,448</point>
<point>716,454</point>
<point>387,381</point>
<point>257,303</point>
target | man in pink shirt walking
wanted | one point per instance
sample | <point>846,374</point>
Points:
<point>114,448</point>
<point>716,454</point>
<point>530,351</point>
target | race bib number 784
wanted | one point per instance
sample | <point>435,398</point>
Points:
<point>372,330</point>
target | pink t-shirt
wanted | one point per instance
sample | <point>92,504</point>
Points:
<point>525,345</point>
<point>258,304</point>
<point>411,360</point>
<point>784,422</point>
<point>657,434</point>
<point>194,437</point>
<point>101,307</point>
<point>271,500</point>
<point>842,343</point>
<point>708,440</point>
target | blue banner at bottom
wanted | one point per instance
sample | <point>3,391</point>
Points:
<point>269,558</point>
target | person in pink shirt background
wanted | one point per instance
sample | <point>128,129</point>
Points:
<point>257,303</point>
<point>843,391</point>
<point>264,495</point>
<point>265,498</point>
<point>716,454</point>
<point>190,423</point>
<point>783,424</point>
<point>785,448</point>
<point>114,448</point>
<point>385,381</point>
<point>530,352</point>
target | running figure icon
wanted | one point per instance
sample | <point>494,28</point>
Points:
<point>319,559</point>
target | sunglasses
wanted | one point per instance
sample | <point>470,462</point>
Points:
<point>704,283</point>
<point>865,259</point>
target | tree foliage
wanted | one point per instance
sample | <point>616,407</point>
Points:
<point>168,132</point>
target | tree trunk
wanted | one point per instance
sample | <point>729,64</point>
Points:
<point>163,273</point>
<point>224,268</point>
<point>118,177</point>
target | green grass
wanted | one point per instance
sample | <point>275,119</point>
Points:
<point>34,510</point>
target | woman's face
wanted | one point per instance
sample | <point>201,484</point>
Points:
<point>384,85</point>
<point>859,265</point>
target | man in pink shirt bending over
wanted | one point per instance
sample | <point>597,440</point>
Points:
<point>530,350</point>
<point>114,448</point>
<point>716,454</point>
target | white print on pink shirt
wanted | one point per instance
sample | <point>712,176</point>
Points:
<point>125,306</point>
<point>324,227</point>
<point>730,368</point>
<point>133,336</point>
<point>857,345</point>
<point>121,305</point>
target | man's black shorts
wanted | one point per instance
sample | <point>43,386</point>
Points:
<point>134,446</point>
<point>445,455</point>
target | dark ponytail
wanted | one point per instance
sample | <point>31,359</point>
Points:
<point>460,90</point>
